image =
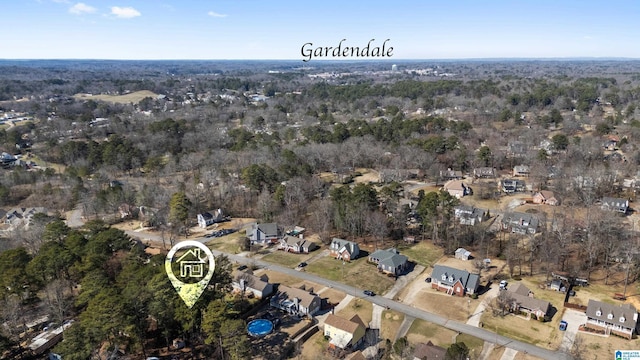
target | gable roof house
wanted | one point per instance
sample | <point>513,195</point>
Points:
<point>429,351</point>
<point>22,216</point>
<point>209,218</point>
<point>344,333</point>
<point>545,197</point>
<point>454,281</point>
<point>521,170</point>
<point>450,174</point>
<point>524,301</point>
<point>245,282</point>
<point>295,301</point>
<point>510,186</point>
<point>296,244</point>
<point>457,188</point>
<point>470,215</point>
<point>621,320</point>
<point>344,249</point>
<point>484,172</point>
<point>615,204</point>
<point>267,233</point>
<point>520,223</point>
<point>389,261</point>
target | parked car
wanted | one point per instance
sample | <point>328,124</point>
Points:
<point>428,280</point>
<point>302,264</point>
<point>503,285</point>
<point>563,325</point>
<point>242,267</point>
<point>369,293</point>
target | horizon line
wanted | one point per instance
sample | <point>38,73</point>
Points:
<point>354,59</point>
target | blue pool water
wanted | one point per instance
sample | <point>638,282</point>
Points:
<point>260,327</point>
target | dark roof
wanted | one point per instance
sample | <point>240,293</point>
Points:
<point>469,281</point>
<point>389,257</point>
<point>520,294</point>
<point>520,220</point>
<point>429,351</point>
<point>269,229</point>
<point>624,312</point>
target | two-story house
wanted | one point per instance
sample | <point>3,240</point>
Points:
<point>343,333</point>
<point>520,223</point>
<point>621,320</point>
<point>296,301</point>
<point>454,281</point>
<point>344,249</point>
<point>267,233</point>
<point>470,215</point>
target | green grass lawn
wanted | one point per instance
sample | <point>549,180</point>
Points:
<point>423,253</point>
<point>358,273</point>
<point>286,259</point>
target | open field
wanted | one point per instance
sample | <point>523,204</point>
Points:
<point>277,277</point>
<point>368,176</point>
<point>422,331</point>
<point>357,306</point>
<point>228,243</point>
<point>423,253</point>
<point>391,321</point>
<point>357,273</point>
<point>133,97</point>
<point>457,308</point>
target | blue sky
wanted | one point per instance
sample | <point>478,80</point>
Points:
<point>248,29</point>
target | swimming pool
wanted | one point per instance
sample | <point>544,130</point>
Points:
<point>260,327</point>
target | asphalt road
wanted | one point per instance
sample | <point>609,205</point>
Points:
<point>480,333</point>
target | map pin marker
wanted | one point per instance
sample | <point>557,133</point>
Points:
<point>194,269</point>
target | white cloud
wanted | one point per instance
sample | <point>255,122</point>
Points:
<point>126,12</point>
<point>215,14</point>
<point>82,8</point>
<point>61,1</point>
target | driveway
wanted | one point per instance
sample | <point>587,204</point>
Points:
<point>574,319</point>
<point>474,320</point>
<point>434,318</point>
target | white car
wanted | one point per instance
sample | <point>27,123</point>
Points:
<point>503,285</point>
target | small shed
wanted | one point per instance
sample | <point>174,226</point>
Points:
<point>463,254</point>
<point>556,284</point>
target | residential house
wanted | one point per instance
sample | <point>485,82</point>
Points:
<point>267,233</point>
<point>260,287</point>
<point>297,244</point>
<point>454,281</point>
<point>22,216</point>
<point>343,249</point>
<point>462,254</point>
<point>450,174</point>
<point>517,149</point>
<point>510,186</point>
<point>621,320</point>
<point>470,215</point>
<point>615,204</point>
<point>343,333</point>
<point>520,223</point>
<point>389,261</point>
<point>610,144</point>
<point>209,218</point>
<point>521,170</point>
<point>457,188</point>
<point>523,301</point>
<point>429,351</point>
<point>545,197</point>
<point>296,301</point>
<point>484,172</point>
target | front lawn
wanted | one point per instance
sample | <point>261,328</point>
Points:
<point>286,259</point>
<point>423,253</point>
<point>358,273</point>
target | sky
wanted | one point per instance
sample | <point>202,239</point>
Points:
<point>248,29</point>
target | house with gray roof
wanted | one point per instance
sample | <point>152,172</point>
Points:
<point>454,281</point>
<point>296,301</point>
<point>523,301</point>
<point>344,249</point>
<point>245,282</point>
<point>484,172</point>
<point>470,215</point>
<point>296,244</point>
<point>389,261</point>
<point>615,204</point>
<point>520,223</point>
<point>621,320</point>
<point>267,233</point>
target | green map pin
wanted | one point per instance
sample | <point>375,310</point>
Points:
<point>194,269</point>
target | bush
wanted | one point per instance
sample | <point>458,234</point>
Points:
<point>474,296</point>
<point>516,277</point>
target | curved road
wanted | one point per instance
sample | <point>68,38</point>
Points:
<point>391,304</point>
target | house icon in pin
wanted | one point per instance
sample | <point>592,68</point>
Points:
<point>191,264</point>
